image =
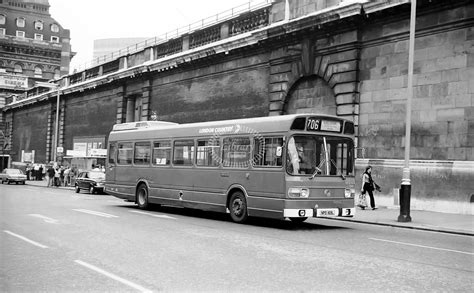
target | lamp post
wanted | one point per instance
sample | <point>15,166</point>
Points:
<point>405,190</point>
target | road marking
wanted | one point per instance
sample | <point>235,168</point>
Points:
<point>95,213</point>
<point>46,219</point>
<point>26,239</point>
<point>112,276</point>
<point>153,215</point>
<point>422,246</point>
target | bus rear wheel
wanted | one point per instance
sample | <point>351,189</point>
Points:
<point>142,196</point>
<point>238,207</point>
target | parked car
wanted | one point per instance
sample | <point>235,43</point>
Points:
<point>13,175</point>
<point>90,180</point>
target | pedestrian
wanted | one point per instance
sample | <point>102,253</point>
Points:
<point>57,176</point>
<point>28,172</point>
<point>66,176</point>
<point>36,172</point>
<point>368,186</point>
<point>61,176</point>
<point>40,172</point>
<point>50,172</point>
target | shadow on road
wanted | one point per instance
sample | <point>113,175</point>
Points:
<point>252,221</point>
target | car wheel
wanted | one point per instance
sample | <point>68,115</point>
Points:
<point>238,207</point>
<point>298,220</point>
<point>76,188</point>
<point>142,196</point>
<point>92,190</point>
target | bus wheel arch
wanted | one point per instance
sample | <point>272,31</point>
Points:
<point>141,195</point>
<point>237,204</point>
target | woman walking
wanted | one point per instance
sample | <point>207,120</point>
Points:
<point>368,185</point>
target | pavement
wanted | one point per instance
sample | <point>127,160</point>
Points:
<point>460,224</point>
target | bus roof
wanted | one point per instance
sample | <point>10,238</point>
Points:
<point>255,125</point>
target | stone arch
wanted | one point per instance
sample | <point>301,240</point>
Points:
<point>310,94</point>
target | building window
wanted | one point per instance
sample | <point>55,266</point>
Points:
<point>20,22</point>
<point>39,37</point>
<point>57,73</point>
<point>54,39</point>
<point>54,28</point>
<point>18,69</point>
<point>3,19</point>
<point>39,25</point>
<point>38,71</point>
<point>2,31</point>
<point>20,34</point>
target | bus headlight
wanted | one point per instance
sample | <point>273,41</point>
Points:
<point>298,192</point>
<point>348,193</point>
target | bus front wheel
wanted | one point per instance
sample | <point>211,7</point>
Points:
<point>298,220</point>
<point>238,207</point>
<point>142,196</point>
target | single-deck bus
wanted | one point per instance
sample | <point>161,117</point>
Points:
<point>290,166</point>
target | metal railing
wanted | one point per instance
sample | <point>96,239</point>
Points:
<point>201,24</point>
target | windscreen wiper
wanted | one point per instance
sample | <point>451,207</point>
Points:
<point>335,165</point>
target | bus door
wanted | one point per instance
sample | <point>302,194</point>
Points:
<point>111,163</point>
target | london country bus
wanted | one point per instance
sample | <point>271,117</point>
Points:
<point>291,166</point>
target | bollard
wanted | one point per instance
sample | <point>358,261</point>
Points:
<point>404,194</point>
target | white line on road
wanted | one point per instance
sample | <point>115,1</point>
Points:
<point>26,239</point>
<point>112,276</point>
<point>95,213</point>
<point>44,218</point>
<point>153,215</point>
<point>422,246</point>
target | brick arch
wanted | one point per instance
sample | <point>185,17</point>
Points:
<point>310,94</point>
<point>338,70</point>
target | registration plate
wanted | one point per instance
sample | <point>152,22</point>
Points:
<point>327,212</point>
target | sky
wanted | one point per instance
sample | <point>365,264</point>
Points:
<point>89,20</point>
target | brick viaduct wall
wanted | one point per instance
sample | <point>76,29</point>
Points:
<point>360,66</point>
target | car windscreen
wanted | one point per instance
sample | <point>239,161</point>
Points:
<point>97,175</point>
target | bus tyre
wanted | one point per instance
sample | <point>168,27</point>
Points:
<point>238,207</point>
<point>142,196</point>
<point>298,220</point>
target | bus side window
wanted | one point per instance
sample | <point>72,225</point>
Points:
<point>142,153</point>
<point>183,153</point>
<point>161,153</point>
<point>236,152</point>
<point>265,152</point>
<point>125,153</point>
<point>112,153</point>
<point>208,151</point>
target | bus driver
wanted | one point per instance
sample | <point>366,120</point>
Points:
<point>296,157</point>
